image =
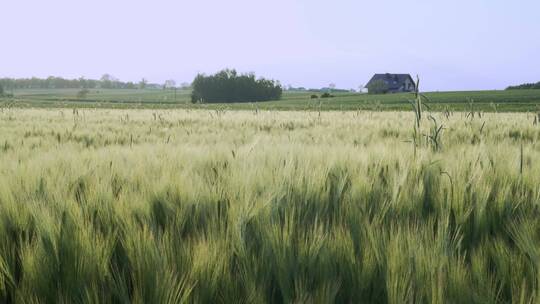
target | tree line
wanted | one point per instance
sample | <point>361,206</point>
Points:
<point>525,86</point>
<point>105,82</point>
<point>229,86</point>
<point>224,86</point>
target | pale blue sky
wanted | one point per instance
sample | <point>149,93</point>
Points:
<point>453,45</point>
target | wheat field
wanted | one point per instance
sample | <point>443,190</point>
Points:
<point>199,206</point>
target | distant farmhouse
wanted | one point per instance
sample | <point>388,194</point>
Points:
<point>391,83</point>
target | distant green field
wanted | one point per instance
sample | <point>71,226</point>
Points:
<point>508,101</point>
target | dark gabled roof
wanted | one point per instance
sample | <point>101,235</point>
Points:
<point>393,81</point>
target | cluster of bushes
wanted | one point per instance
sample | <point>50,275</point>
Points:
<point>229,86</point>
<point>327,95</point>
<point>324,95</point>
<point>525,86</point>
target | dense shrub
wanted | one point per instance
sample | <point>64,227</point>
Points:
<point>327,95</point>
<point>228,86</point>
<point>314,96</point>
<point>1,90</point>
<point>377,87</point>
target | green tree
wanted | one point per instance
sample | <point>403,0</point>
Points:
<point>169,84</point>
<point>83,83</point>
<point>106,81</point>
<point>378,87</point>
<point>143,83</point>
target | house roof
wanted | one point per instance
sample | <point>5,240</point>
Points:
<point>393,81</point>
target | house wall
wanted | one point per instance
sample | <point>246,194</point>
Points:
<point>409,86</point>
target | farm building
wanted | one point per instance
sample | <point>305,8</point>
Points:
<point>392,83</point>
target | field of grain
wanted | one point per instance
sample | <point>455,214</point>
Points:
<point>200,206</point>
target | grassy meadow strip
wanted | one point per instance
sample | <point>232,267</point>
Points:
<point>486,101</point>
<point>199,206</point>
